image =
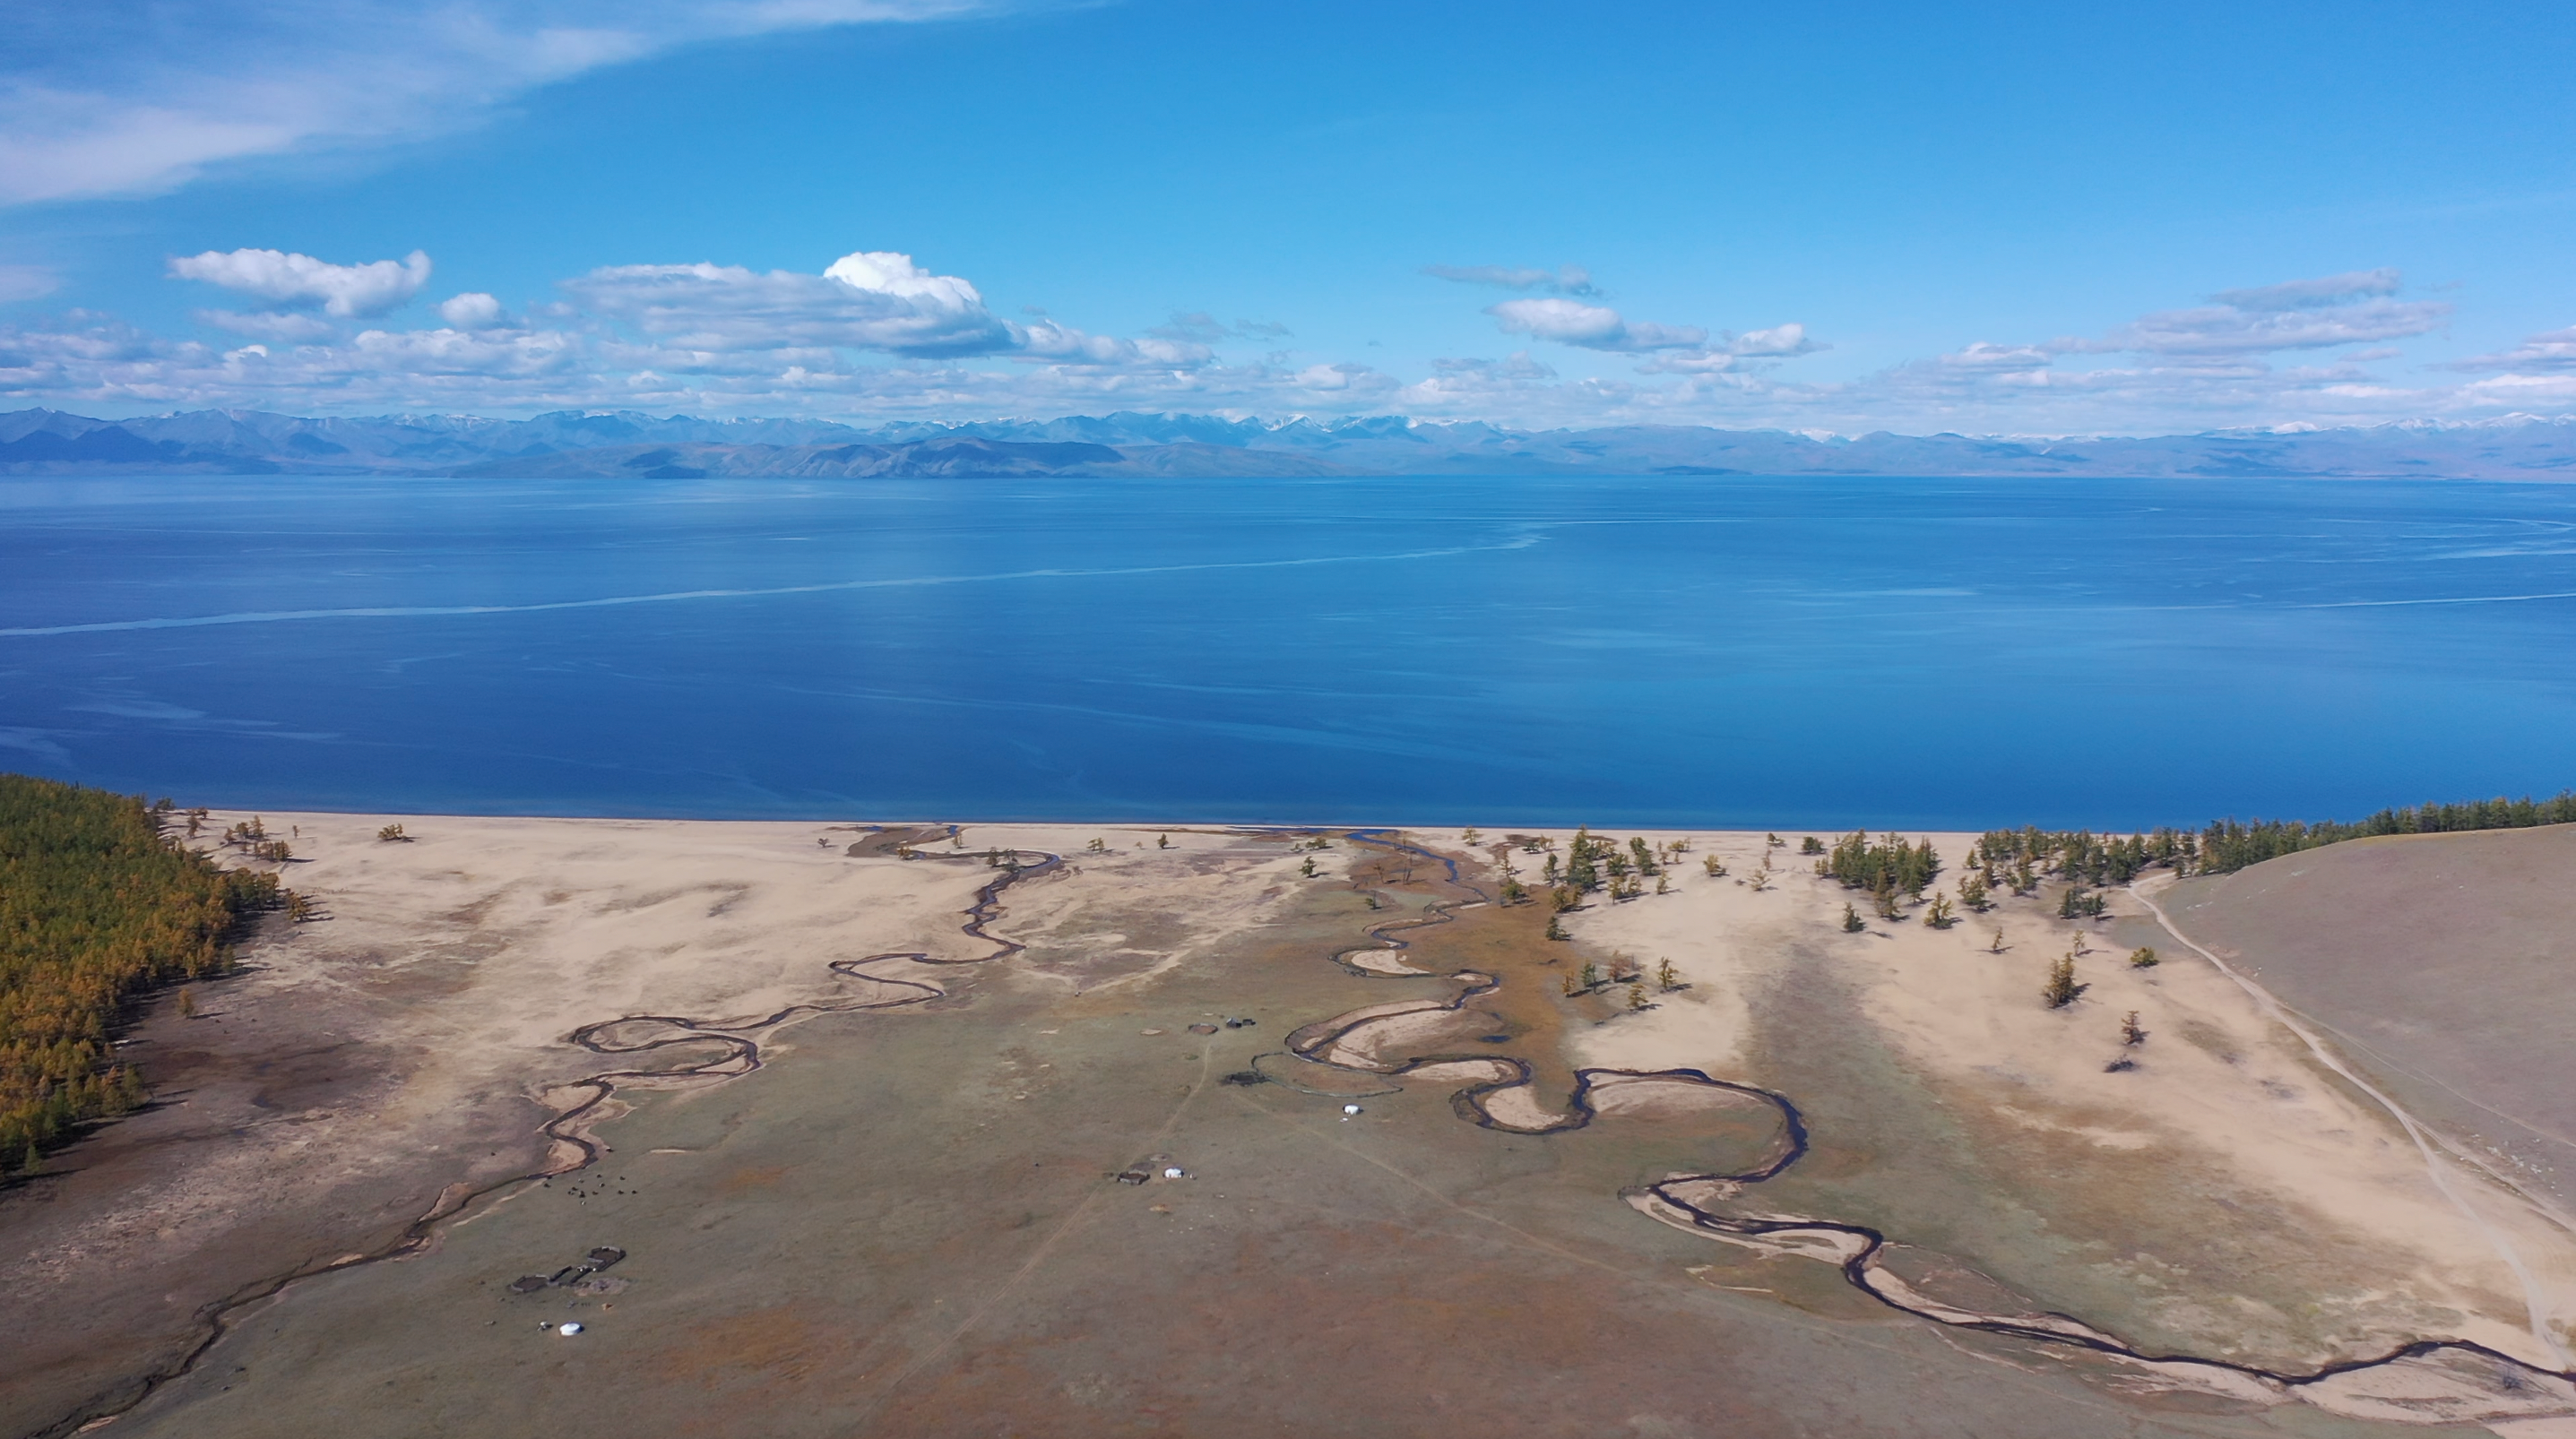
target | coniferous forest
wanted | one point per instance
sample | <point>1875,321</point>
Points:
<point>2227,845</point>
<point>2019,859</point>
<point>96,906</point>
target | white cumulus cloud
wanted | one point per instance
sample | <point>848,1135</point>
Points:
<point>473,310</point>
<point>1593,327</point>
<point>879,336</point>
<point>873,300</point>
<point>300,281</point>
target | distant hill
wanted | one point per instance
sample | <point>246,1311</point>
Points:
<point>572,444</point>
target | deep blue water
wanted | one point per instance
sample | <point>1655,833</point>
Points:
<point>1697,651</point>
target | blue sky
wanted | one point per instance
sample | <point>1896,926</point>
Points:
<point>1993,218</point>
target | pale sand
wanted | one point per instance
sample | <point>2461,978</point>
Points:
<point>1392,1040</point>
<point>1459,1072</point>
<point>1519,1108</point>
<point>2222,1088</point>
<point>1648,1097</point>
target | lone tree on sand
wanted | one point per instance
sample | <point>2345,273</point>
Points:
<point>1939,915</point>
<point>2129,1031</point>
<point>2061,989</point>
<point>1636,996</point>
<point>1667,977</point>
<point>1852,922</point>
<point>1556,930</point>
<point>2143,957</point>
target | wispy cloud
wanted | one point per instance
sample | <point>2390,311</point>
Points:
<point>27,282</point>
<point>2314,294</point>
<point>1200,327</point>
<point>1563,280</point>
<point>122,98</point>
<point>2552,352</point>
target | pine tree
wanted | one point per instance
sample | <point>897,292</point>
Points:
<point>2130,1033</point>
<point>1579,868</point>
<point>1636,997</point>
<point>1307,867</point>
<point>1162,841</point>
<point>1716,868</point>
<point>1667,978</point>
<point>1852,922</point>
<point>1998,946</point>
<point>1556,930</point>
<point>2143,957</point>
<point>1939,916</point>
<point>1972,892</point>
<point>1571,988</point>
<point>2062,989</point>
<point>1591,974</point>
<point>187,1004</point>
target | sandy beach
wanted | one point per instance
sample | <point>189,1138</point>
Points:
<point>498,1025</point>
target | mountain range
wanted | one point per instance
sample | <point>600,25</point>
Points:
<point>575,444</point>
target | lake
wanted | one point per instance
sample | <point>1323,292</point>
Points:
<point>1805,654</point>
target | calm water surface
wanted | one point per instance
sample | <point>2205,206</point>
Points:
<point>1697,651</point>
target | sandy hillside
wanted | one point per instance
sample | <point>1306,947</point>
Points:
<point>2225,1122</point>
